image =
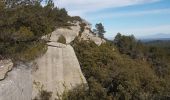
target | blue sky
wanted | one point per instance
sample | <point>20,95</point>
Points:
<point>138,17</point>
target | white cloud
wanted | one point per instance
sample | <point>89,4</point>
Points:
<point>128,14</point>
<point>82,7</point>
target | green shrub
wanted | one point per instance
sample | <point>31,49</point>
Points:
<point>75,18</point>
<point>23,23</point>
<point>23,34</point>
<point>115,76</point>
<point>23,51</point>
<point>82,27</point>
<point>61,39</point>
<point>44,95</point>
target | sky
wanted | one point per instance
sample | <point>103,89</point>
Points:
<point>138,17</point>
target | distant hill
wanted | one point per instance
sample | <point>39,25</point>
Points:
<point>159,36</point>
<point>159,43</point>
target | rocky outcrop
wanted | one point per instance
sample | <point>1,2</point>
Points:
<point>68,33</point>
<point>58,70</point>
<point>88,35</point>
<point>5,67</point>
<point>74,31</point>
<point>17,85</point>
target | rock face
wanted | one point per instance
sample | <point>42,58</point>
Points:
<point>69,34</point>
<point>5,66</point>
<point>74,31</point>
<point>58,70</point>
<point>88,35</point>
<point>17,85</point>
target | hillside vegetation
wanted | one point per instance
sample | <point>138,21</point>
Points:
<point>123,69</point>
<point>163,44</point>
<point>24,22</point>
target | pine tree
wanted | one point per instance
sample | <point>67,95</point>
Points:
<point>100,30</point>
<point>50,3</point>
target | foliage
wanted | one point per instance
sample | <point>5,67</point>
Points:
<point>39,20</point>
<point>44,95</point>
<point>23,51</point>
<point>112,75</point>
<point>82,27</point>
<point>23,34</point>
<point>156,56</point>
<point>99,30</point>
<point>129,45</point>
<point>75,18</point>
<point>61,39</point>
<point>1,6</point>
<point>159,43</point>
<point>16,3</point>
<point>24,22</point>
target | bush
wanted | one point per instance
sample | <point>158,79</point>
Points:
<point>23,51</point>
<point>75,18</point>
<point>23,34</point>
<point>82,27</point>
<point>23,23</point>
<point>61,39</point>
<point>115,76</point>
<point>44,95</point>
<point>155,55</point>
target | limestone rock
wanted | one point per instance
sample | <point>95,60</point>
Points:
<point>69,34</point>
<point>88,35</point>
<point>17,85</point>
<point>5,66</point>
<point>55,44</point>
<point>58,70</point>
<point>46,37</point>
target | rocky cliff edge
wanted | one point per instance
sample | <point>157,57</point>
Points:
<point>58,70</point>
